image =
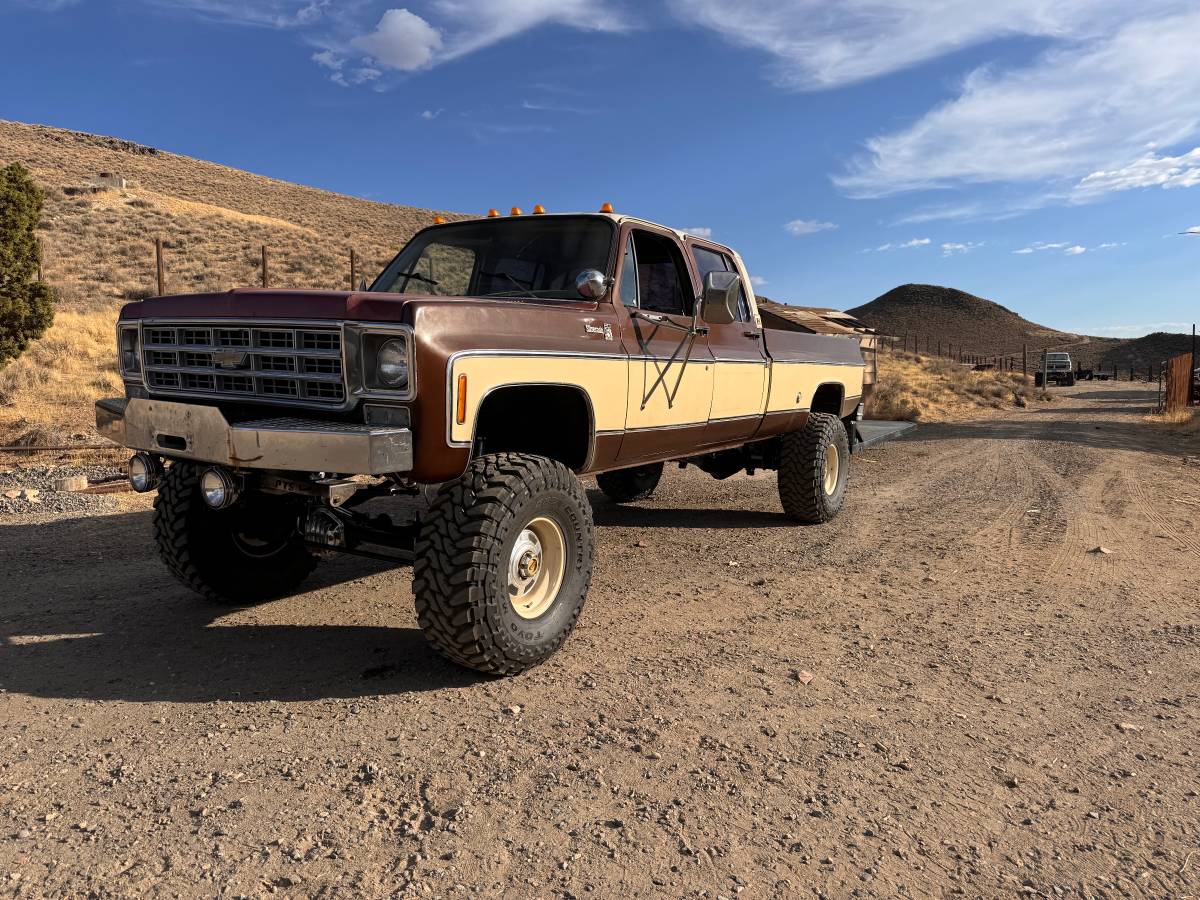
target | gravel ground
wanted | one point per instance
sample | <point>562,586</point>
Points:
<point>993,710</point>
<point>47,501</point>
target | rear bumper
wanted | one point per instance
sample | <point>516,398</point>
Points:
<point>201,433</point>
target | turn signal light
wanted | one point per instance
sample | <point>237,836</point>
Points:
<point>516,211</point>
<point>493,213</point>
<point>606,208</point>
<point>460,413</point>
<point>539,210</point>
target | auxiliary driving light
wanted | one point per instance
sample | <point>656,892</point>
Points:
<point>218,489</point>
<point>145,472</point>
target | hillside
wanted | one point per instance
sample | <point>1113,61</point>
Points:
<point>98,246</point>
<point>985,327</point>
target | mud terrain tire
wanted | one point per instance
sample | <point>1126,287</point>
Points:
<point>239,556</point>
<point>808,490</point>
<point>468,574</point>
<point>626,485</point>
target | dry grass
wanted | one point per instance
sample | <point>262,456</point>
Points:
<point>1179,421</point>
<point>99,253</point>
<point>919,388</point>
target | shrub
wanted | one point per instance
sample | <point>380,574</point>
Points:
<point>26,305</point>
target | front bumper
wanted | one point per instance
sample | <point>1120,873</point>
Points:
<point>187,431</point>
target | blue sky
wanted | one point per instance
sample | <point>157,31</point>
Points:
<point>1043,153</point>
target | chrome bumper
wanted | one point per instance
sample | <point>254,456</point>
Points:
<point>187,431</point>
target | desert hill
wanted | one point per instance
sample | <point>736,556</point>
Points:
<point>98,247</point>
<point>985,327</point>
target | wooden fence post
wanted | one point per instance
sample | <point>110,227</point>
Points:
<point>158,260</point>
<point>266,278</point>
<point>353,268</point>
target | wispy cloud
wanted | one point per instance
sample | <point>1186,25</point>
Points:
<point>430,114</point>
<point>1143,329</point>
<point>1083,119</point>
<point>906,245</point>
<point>757,280</point>
<point>801,227</point>
<point>958,249</point>
<point>1066,247</point>
<point>699,232</point>
<point>565,108</point>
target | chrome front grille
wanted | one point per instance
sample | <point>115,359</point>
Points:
<point>284,363</point>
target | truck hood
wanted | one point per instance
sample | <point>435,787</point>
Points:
<point>270,304</point>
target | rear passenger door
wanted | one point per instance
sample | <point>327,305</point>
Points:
<point>739,359</point>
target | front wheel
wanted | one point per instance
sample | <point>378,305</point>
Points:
<point>246,554</point>
<point>814,464</point>
<point>504,562</point>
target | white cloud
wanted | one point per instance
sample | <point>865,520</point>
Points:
<point>1149,171</point>
<point>1066,247</point>
<point>957,249</point>
<point>819,44</point>
<point>1195,229</point>
<point>907,245</point>
<point>1141,330</point>
<point>698,232</point>
<point>1096,102</point>
<point>801,227</point>
<point>430,114</point>
<point>258,13</point>
<point>406,42</point>
<point>757,280</point>
<point>402,40</point>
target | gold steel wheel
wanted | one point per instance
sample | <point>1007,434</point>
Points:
<point>833,466</point>
<point>536,567</point>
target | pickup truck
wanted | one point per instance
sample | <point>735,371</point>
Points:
<point>493,363</point>
<point>1059,370</point>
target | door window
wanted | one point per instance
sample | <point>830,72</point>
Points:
<point>664,284</point>
<point>712,261</point>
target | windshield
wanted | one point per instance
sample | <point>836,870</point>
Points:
<point>513,257</point>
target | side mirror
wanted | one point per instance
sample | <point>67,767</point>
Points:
<point>591,284</point>
<point>719,304</point>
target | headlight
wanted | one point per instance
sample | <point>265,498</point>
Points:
<point>130,352</point>
<point>391,363</point>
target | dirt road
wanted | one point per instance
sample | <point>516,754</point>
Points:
<point>993,710</point>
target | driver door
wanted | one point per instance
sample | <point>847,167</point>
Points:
<point>670,368</point>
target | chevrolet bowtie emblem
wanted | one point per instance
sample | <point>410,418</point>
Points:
<point>230,359</point>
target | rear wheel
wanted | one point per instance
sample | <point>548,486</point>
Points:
<point>626,485</point>
<point>814,464</point>
<point>246,554</point>
<point>503,563</point>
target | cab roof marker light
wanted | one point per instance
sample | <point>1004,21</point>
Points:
<point>606,208</point>
<point>493,213</point>
<point>439,220</point>
<point>516,211</point>
<point>539,210</point>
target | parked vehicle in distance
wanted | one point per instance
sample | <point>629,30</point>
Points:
<point>491,364</point>
<point>1059,370</point>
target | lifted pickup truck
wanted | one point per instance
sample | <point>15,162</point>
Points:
<point>1059,370</point>
<point>491,364</point>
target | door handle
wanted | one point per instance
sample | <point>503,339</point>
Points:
<point>753,335</point>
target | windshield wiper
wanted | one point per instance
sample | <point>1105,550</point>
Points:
<point>525,292</point>
<point>417,275</point>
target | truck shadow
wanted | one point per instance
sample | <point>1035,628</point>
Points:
<point>605,513</point>
<point>105,621</point>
